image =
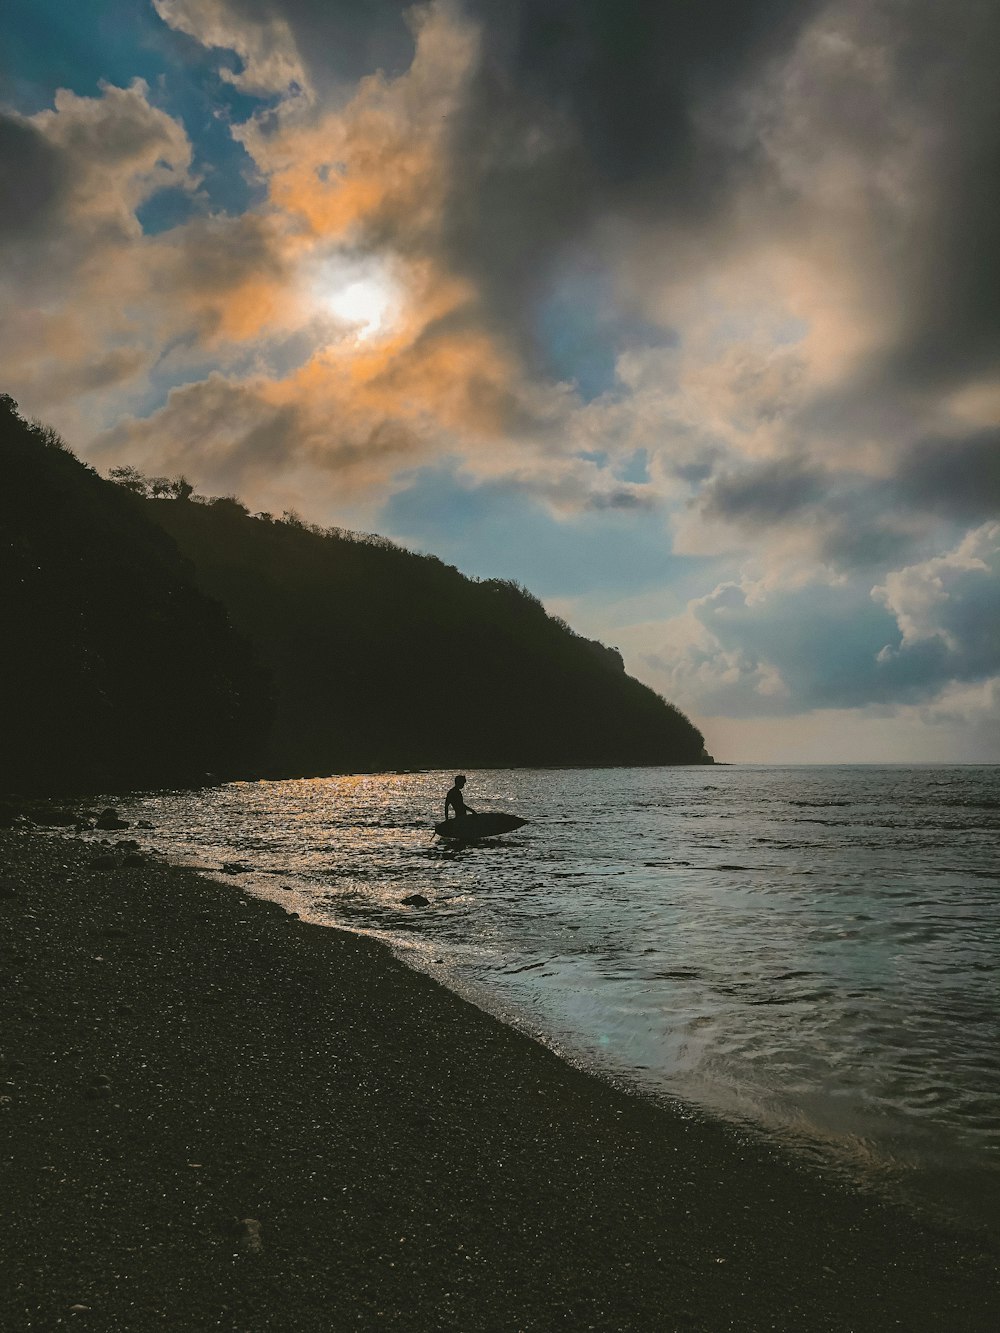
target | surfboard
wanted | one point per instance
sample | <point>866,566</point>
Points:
<point>470,828</point>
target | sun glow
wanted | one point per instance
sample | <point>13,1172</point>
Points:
<point>366,298</point>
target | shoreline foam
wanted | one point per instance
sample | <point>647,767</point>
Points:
<point>405,1159</point>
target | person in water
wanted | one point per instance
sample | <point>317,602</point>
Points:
<point>456,801</point>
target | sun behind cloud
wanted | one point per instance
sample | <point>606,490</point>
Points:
<point>366,296</point>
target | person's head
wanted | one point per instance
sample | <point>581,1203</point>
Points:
<point>459,779</point>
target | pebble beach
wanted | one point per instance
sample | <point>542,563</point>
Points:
<point>214,1115</point>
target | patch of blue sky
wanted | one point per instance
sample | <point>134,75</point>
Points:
<point>177,365</point>
<point>165,210</point>
<point>50,44</point>
<point>183,361</point>
<point>227,178</point>
<point>581,332</point>
<point>597,456</point>
<point>636,468</point>
<point>493,531</point>
<point>269,358</point>
<point>208,107</point>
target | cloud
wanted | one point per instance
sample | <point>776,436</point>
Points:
<point>764,494</point>
<point>958,477</point>
<point>235,434</point>
<point>32,183</point>
<point>116,151</point>
<point>337,42</point>
<point>746,649</point>
<point>373,171</point>
<point>754,648</point>
<point>81,313</point>
<point>973,711</point>
<point>262,40</point>
<point>950,603</point>
<point>228,277</point>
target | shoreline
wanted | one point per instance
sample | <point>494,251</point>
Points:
<point>216,1115</point>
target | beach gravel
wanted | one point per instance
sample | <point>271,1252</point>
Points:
<point>214,1115</point>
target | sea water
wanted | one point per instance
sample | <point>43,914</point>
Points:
<point>812,953</point>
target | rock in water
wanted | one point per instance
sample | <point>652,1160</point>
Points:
<point>110,819</point>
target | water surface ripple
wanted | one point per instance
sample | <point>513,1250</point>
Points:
<point>809,950</point>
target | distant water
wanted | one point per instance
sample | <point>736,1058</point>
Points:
<point>809,951</point>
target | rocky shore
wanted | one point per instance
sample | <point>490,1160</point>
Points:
<point>215,1116</point>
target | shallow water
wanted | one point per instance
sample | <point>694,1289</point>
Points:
<point>812,951</point>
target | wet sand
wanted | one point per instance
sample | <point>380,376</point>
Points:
<point>216,1116</point>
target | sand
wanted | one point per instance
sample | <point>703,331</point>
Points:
<point>216,1116</point>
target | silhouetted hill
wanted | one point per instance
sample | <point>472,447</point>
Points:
<point>115,669</point>
<point>382,658</point>
<point>154,636</point>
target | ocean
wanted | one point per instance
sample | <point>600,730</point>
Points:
<point>811,953</point>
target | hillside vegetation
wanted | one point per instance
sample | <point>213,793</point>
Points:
<point>116,668</point>
<point>158,631</point>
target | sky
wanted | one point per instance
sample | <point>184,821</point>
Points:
<point>683,313</point>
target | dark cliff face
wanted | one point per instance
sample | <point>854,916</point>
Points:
<point>117,669</point>
<point>382,658</point>
<point>151,640</point>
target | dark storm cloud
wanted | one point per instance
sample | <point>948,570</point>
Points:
<point>583,108</point>
<point>861,536</point>
<point>630,74</point>
<point>948,58</point>
<point>340,39</point>
<point>858,522</point>
<point>618,93</point>
<point>32,179</point>
<point>957,478</point>
<point>769,493</point>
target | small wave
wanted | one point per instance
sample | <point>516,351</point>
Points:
<point>966,804</point>
<point>821,805</point>
<point>526,967</point>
